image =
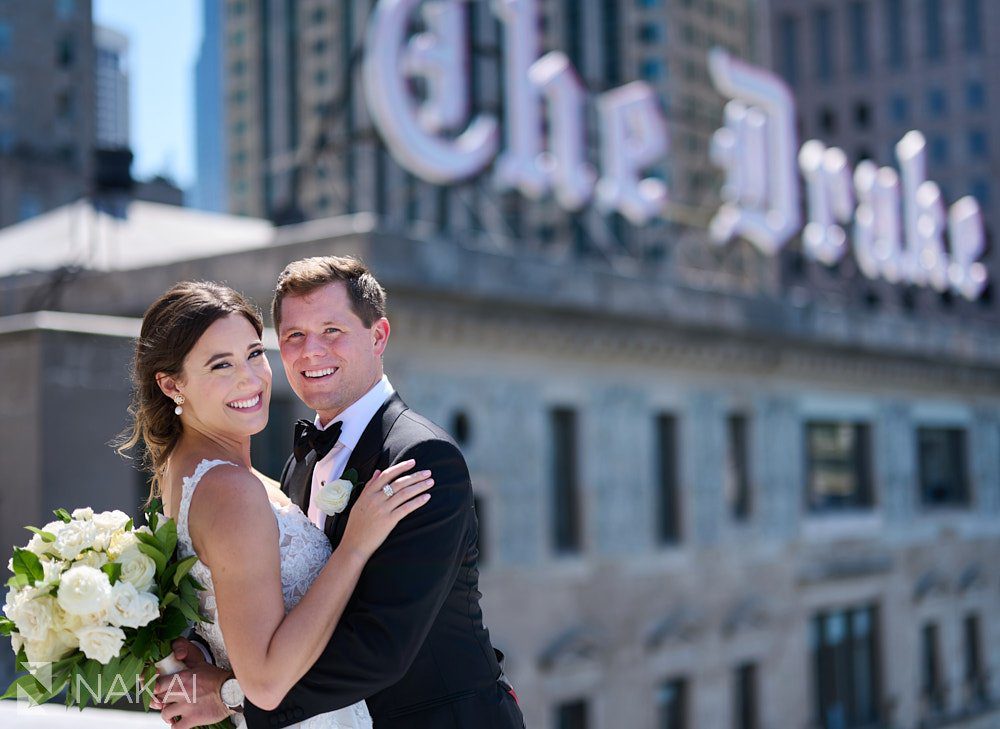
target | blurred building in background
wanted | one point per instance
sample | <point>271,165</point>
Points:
<point>864,73</point>
<point>112,88</point>
<point>710,494</point>
<point>210,101</point>
<point>47,119</point>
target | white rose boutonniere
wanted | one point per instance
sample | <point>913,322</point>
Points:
<point>334,496</point>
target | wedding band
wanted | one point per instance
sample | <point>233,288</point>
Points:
<point>387,490</point>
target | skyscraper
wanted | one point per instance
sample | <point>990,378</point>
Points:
<point>47,115</point>
<point>210,186</point>
<point>112,87</point>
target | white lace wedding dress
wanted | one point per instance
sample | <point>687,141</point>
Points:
<point>304,550</point>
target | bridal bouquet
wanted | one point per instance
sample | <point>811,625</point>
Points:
<point>94,604</point>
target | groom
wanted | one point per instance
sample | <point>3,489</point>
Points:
<point>411,641</point>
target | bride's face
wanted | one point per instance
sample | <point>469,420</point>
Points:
<point>226,380</point>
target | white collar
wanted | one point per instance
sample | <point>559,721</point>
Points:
<point>359,413</point>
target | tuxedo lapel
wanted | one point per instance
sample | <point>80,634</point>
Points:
<point>364,458</point>
<point>299,482</point>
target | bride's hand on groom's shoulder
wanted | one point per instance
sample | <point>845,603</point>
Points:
<point>192,697</point>
<point>379,509</point>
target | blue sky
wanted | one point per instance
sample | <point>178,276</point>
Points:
<point>163,48</point>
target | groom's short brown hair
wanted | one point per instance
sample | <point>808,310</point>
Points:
<point>304,276</point>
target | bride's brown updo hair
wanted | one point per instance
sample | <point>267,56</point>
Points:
<point>171,327</point>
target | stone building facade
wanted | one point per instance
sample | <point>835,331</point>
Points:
<point>671,532</point>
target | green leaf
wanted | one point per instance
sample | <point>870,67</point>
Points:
<point>108,673</point>
<point>171,625</point>
<point>6,626</point>
<point>169,598</point>
<point>167,534</point>
<point>18,581</point>
<point>148,677</point>
<point>63,515</point>
<point>183,567</point>
<point>113,570</point>
<point>143,643</point>
<point>27,563</point>
<point>129,525</point>
<point>27,684</point>
<point>47,537</point>
<point>189,612</point>
<point>149,539</point>
<point>155,554</point>
<point>351,474</point>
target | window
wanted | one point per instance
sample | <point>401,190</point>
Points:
<point>838,463</point>
<point>572,715</point>
<point>823,33</point>
<point>937,103</point>
<point>896,36</point>
<point>652,69</point>
<point>460,427</point>
<point>975,678</point>
<point>899,109</point>
<point>942,466</point>
<point>610,44</point>
<point>64,52</point>
<point>933,29</point>
<point>857,13</point>
<point>737,471</point>
<point>862,115</point>
<point>788,31</point>
<point>981,191</point>
<point>668,501</point>
<point>649,32</point>
<point>6,93</point>
<point>978,145</point>
<point>972,26</point>
<point>975,95</point>
<point>566,492</point>
<point>671,700</point>
<point>745,715</point>
<point>845,664</point>
<point>939,150</point>
<point>828,120</point>
<point>932,692</point>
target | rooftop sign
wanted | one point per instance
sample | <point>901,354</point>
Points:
<point>895,223</point>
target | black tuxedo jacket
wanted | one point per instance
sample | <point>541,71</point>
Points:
<point>411,640</point>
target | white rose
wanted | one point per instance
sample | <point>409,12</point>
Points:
<point>84,590</point>
<point>121,543</point>
<point>92,559</point>
<point>74,538</point>
<point>33,614</point>
<point>16,642</point>
<point>83,514</point>
<point>101,643</point>
<point>55,645</point>
<point>333,497</point>
<point>111,521</point>
<point>130,608</point>
<point>37,546</point>
<point>52,570</point>
<point>137,569</point>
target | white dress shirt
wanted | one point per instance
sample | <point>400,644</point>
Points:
<point>355,419</point>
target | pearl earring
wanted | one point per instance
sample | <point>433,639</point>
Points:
<point>180,401</point>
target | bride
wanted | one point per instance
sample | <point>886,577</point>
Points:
<point>274,591</point>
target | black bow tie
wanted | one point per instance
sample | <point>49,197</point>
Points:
<point>310,438</point>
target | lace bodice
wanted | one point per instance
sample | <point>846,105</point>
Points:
<point>303,549</point>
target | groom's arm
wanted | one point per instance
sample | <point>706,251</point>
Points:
<point>399,594</point>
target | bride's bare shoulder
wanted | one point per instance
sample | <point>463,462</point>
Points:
<point>274,492</point>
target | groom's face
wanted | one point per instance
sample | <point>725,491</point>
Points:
<point>331,358</point>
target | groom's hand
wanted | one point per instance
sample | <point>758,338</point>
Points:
<point>192,697</point>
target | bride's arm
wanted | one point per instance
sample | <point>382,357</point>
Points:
<point>235,533</point>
